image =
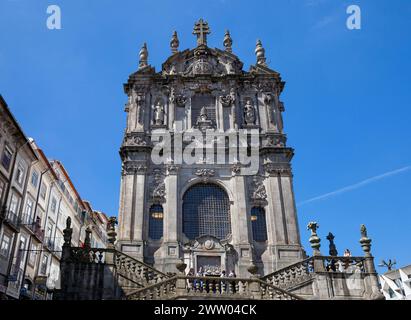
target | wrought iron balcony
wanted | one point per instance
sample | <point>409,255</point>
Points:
<point>12,219</point>
<point>34,227</point>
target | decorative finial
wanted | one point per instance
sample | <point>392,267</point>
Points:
<point>228,42</point>
<point>333,249</point>
<point>201,30</point>
<point>111,231</point>
<point>260,53</point>
<point>314,239</point>
<point>365,241</point>
<point>174,43</point>
<point>181,266</point>
<point>143,57</point>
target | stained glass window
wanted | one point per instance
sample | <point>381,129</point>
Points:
<point>155,223</point>
<point>258,223</point>
<point>206,211</point>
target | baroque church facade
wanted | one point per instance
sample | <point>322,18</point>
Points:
<point>210,215</point>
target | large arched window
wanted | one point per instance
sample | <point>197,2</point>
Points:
<point>259,224</point>
<point>155,223</point>
<point>206,211</point>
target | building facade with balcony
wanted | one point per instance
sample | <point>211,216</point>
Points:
<point>37,196</point>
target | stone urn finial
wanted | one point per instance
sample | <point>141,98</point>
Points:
<point>314,239</point>
<point>228,42</point>
<point>111,231</point>
<point>365,241</point>
<point>181,266</point>
<point>174,43</point>
<point>252,268</point>
<point>260,54</point>
<point>143,55</point>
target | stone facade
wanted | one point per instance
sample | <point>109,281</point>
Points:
<point>205,88</point>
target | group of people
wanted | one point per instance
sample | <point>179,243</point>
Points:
<point>210,284</point>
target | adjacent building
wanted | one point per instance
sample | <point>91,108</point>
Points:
<point>37,195</point>
<point>396,284</point>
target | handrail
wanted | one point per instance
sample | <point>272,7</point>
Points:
<point>286,268</point>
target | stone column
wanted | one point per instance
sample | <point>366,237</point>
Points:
<point>241,233</point>
<point>170,247</point>
<point>126,205</point>
<point>275,212</point>
<point>139,207</point>
<point>291,223</point>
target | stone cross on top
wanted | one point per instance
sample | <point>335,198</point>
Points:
<point>201,30</point>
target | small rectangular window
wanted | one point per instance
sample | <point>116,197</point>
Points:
<point>53,205</point>
<point>14,204</point>
<point>33,254</point>
<point>5,245</point>
<point>29,212</point>
<point>6,157</point>
<point>34,178</point>
<point>44,263</point>
<point>43,190</point>
<point>20,174</point>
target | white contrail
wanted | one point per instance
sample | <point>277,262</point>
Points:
<point>356,185</point>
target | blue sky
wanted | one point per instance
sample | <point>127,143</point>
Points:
<point>347,96</point>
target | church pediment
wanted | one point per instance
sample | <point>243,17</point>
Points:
<point>202,61</point>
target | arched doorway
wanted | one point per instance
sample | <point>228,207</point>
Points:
<point>206,211</point>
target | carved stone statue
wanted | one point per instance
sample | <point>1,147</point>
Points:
<point>159,114</point>
<point>67,232</point>
<point>249,113</point>
<point>202,121</point>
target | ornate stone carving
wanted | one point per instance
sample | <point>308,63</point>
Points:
<point>236,169</point>
<point>249,113</point>
<point>258,191</point>
<point>205,173</point>
<point>158,193</point>
<point>275,170</point>
<point>171,169</point>
<point>274,141</point>
<point>136,140</point>
<point>132,167</point>
<point>180,100</point>
<point>229,99</point>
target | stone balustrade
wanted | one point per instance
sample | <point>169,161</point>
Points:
<point>181,287</point>
<point>300,272</point>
